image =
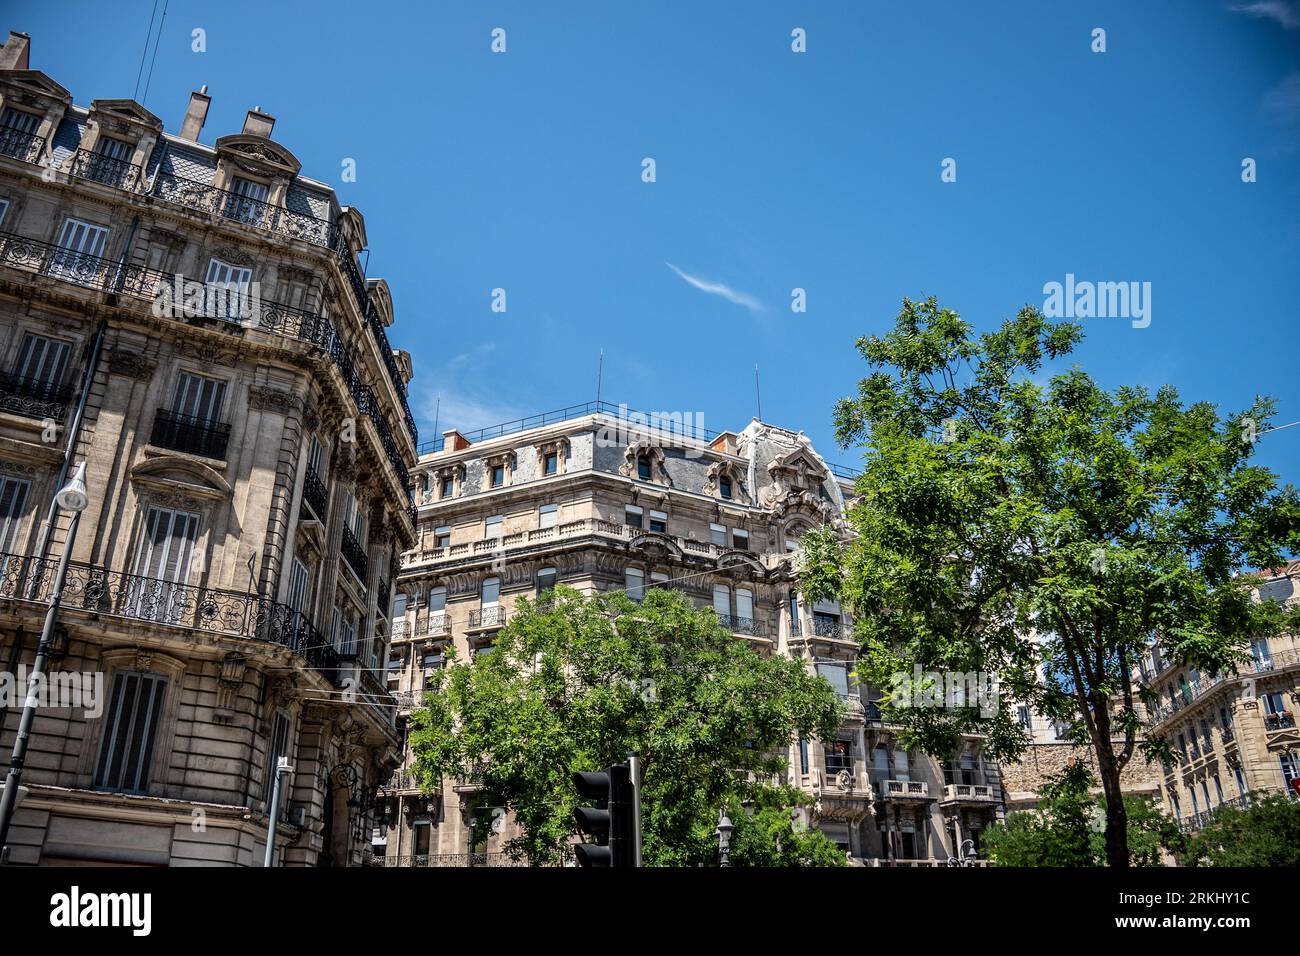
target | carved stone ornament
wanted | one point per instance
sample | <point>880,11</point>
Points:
<point>228,684</point>
<point>658,473</point>
<point>271,399</point>
<point>143,660</point>
<point>18,469</point>
<point>208,354</point>
<point>233,255</point>
<point>132,364</point>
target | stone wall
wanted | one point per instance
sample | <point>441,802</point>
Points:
<point>1022,779</point>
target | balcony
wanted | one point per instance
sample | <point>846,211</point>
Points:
<point>34,398</point>
<point>314,493</point>
<point>1280,721</point>
<point>739,625</point>
<point>355,555</point>
<point>188,434</point>
<point>22,146</point>
<point>487,618</point>
<point>1196,690</point>
<point>245,210</point>
<point>832,629</point>
<point>106,170</point>
<point>969,793</point>
<point>904,790</point>
<point>434,625</point>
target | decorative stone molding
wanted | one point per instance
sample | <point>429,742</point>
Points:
<point>266,398</point>
<point>132,364</point>
<point>207,353</point>
<point>713,478</point>
<point>19,469</point>
<point>634,451</point>
<point>234,255</point>
<point>228,684</point>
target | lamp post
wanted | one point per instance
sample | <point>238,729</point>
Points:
<point>282,769</point>
<point>71,497</point>
<point>724,838</point>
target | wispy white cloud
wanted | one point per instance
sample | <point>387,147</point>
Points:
<point>719,288</point>
<point>451,394</point>
<point>1284,12</point>
<point>1283,101</point>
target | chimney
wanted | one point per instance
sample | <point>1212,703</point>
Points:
<point>257,123</point>
<point>196,114</point>
<point>453,440</point>
<point>14,54</point>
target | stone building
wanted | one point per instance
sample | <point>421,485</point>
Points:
<point>1234,735</point>
<point>190,320</point>
<point>600,499</point>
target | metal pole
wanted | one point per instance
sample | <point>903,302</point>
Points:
<point>634,767</point>
<point>282,768</point>
<point>15,774</point>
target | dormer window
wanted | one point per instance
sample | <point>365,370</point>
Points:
<point>643,467</point>
<point>724,486</point>
<point>447,487</point>
<point>551,463</point>
<point>498,475</point>
<point>247,201</point>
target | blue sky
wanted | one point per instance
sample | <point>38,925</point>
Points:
<point>775,170</point>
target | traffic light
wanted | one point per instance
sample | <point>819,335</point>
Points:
<point>611,822</point>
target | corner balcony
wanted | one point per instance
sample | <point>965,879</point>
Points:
<point>34,398</point>
<point>193,436</point>
<point>842,793</point>
<point>969,795</point>
<point>905,791</point>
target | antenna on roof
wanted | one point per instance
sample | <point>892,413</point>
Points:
<point>758,394</point>
<point>437,410</point>
<point>600,372</point>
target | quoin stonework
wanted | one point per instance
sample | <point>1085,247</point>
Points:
<point>247,476</point>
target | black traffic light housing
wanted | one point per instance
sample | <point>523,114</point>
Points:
<point>610,822</point>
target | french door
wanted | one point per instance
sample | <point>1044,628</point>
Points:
<point>159,587</point>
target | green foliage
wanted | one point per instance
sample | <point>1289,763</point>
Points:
<point>1007,524</point>
<point>820,565</point>
<point>1064,830</point>
<point>577,683</point>
<point>1267,833</point>
<point>766,834</point>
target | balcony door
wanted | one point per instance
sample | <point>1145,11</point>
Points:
<point>80,251</point>
<point>162,565</point>
<point>198,398</point>
<point>13,502</point>
<point>41,366</point>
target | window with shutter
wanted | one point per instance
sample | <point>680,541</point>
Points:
<point>130,731</point>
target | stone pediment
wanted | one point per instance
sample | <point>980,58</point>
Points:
<point>34,84</point>
<point>743,562</point>
<point>127,111</point>
<point>180,479</point>
<point>258,155</point>
<point>652,544</point>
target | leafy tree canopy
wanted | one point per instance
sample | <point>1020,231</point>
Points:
<point>1044,531</point>
<point>1266,833</point>
<point>577,683</point>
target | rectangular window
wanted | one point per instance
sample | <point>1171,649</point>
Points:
<point>659,522</point>
<point>546,579</point>
<point>837,675</point>
<point>718,534</point>
<point>437,600</point>
<point>279,748</point>
<point>492,526</point>
<point>442,537</point>
<point>547,515</point>
<point>550,463</point>
<point>314,451</point>
<point>247,201</point>
<point>634,580</point>
<point>199,398</point>
<point>227,291</point>
<point>42,363</point>
<point>740,539</point>
<point>162,563</point>
<point>491,592</point>
<point>632,516</point>
<point>658,578</point>
<point>803,755</point>
<point>448,488</point>
<point>80,248</point>
<point>20,120</point>
<point>114,149</point>
<point>130,731</point>
<point>298,586</point>
<point>722,599</point>
<point>4,210</point>
<point>745,603</point>
<point>838,756</point>
<point>1022,716</point>
<point>498,475</point>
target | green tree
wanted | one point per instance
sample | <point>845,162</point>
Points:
<point>577,683</point>
<point>1063,830</point>
<point>1266,833</point>
<point>1005,525</point>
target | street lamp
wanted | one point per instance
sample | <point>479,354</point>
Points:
<point>724,838</point>
<point>71,497</point>
<point>282,769</point>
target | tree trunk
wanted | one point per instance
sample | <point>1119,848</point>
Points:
<point>1116,815</point>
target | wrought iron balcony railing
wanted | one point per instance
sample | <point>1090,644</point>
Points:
<point>34,398</point>
<point>739,625</point>
<point>117,594</point>
<point>243,209</point>
<point>314,493</point>
<point>96,272</point>
<point>99,168</point>
<point>488,617</point>
<point>435,625</point>
<point>1278,721</point>
<point>833,629</point>
<point>185,433</point>
<point>1195,690</point>
<point>21,145</point>
<point>355,555</point>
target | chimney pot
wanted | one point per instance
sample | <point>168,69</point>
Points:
<point>196,114</point>
<point>257,123</point>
